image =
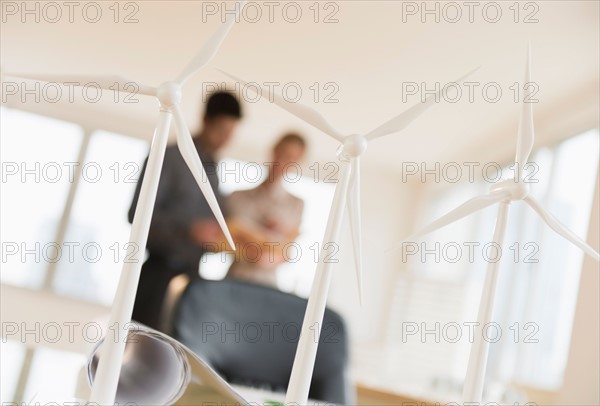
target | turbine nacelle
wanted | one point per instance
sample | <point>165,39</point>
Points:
<point>169,94</point>
<point>515,190</point>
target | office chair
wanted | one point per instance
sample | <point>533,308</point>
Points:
<point>249,334</point>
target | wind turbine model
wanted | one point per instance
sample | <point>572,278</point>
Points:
<point>347,192</point>
<point>503,192</point>
<point>169,95</point>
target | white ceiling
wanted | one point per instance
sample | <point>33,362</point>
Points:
<point>369,53</point>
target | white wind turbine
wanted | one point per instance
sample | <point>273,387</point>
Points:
<point>503,192</point>
<point>169,95</point>
<point>347,192</point>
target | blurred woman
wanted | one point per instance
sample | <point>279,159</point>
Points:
<point>266,218</point>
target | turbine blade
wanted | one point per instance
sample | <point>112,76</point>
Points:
<point>355,223</point>
<point>105,82</point>
<point>526,134</point>
<point>561,229</point>
<point>191,158</point>
<point>402,121</point>
<point>209,50</point>
<point>304,113</point>
<point>469,207</point>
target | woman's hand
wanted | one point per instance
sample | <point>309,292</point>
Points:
<point>205,231</point>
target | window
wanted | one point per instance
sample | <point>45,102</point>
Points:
<point>11,362</point>
<point>39,169</point>
<point>547,291</point>
<point>37,154</point>
<point>98,227</point>
<point>54,376</point>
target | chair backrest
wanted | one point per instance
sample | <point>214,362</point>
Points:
<point>249,334</point>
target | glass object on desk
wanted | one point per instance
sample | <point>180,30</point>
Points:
<point>159,370</point>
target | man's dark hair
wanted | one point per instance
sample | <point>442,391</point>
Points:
<point>222,104</point>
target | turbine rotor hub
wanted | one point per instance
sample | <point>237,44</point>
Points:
<point>353,146</point>
<point>169,93</point>
<point>518,190</point>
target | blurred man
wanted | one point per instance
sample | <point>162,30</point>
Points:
<point>182,222</point>
<point>266,218</point>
